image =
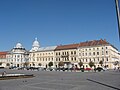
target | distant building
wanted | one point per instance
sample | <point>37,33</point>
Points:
<point>3,58</point>
<point>17,56</point>
<point>71,54</point>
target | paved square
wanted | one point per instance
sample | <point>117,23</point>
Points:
<point>52,80</point>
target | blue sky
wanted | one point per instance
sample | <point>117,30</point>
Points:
<point>56,22</point>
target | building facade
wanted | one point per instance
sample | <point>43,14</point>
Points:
<point>72,54</point>
<point>3,59</point>
<point>18,56</point>
<point>95,51</point>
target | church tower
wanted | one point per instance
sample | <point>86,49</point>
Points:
<point>35,45</point>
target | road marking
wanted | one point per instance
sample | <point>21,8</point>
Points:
<point>104,84</point>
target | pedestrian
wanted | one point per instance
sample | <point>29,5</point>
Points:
<point>4,73</point>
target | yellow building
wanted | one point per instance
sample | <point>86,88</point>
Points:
<point>72,54</point>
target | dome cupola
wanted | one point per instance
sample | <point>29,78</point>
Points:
<point>36,43</point>
<point>18,45</point>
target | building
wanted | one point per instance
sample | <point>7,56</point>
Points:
<point>72,54</point>
<point>3,59</point>
<point>41,56</point>
<point>95,51</point>
<point>18,56</point>
<point>67,54</point>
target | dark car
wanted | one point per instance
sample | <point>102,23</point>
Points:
<point>99,69</point>
<point>12,67</point>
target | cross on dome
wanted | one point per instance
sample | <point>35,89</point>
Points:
<point>36,39</point>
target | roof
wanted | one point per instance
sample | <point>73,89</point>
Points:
<point>69,46</point>
<point>3,53</point>
<point>93,43</point>
<point>50,48</point>
<point>82,44</point>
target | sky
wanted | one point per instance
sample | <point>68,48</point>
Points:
<point>56,22</point>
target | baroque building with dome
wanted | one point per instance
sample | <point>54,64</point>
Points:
<point>17,56</point>
<point>71,54</point>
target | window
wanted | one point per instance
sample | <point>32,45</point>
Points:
<point>80,60</point>
<point>72,58</point>
<point>107,59</point>
<point>83,54</point>
<point>75,58</point>
<point>106,52</point>
<point>97,53</point>
<point>90,53</point>
<point>71,52</point>
<point>56,59</point>
<point>80,54</point>
<point>106,48</point>
<point>93,53</point>
<point>94,59</point>
<point>90,60</point>
<point>56,54</point>
<point>74,52</point>
<point>65,53</point>
<point>98,59</point>
<point>102,59</point>
<point>62,53</point>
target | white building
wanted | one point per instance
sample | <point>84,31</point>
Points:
<point>17,56</point>
<point>41,56</point>
<point>70,54</point>
<point>95,51</point>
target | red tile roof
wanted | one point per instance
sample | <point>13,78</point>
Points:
<point>3,53</point>
<point>69,46</point>
<point>93,43</point>
<point>82,44</point>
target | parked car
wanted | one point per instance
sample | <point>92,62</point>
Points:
<point>88,69</point>
<point>32,68</point>
<point>12,67</point>
<point>99,69</point>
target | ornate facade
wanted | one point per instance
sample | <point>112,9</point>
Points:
<point>17,56</point>
<point>71,55</point>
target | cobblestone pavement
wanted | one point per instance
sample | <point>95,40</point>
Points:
<point>58,80</point>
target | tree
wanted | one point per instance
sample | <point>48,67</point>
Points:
<point>80,64</point>
<point>101,62</point>
<point>91,64</point>
<point>61,63</point>
<point>0,63</point>
<point>50,64</point>
<point>26,64</point>
<point>39,64</point>
<point>7,64</point>
<point>116,63</point>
